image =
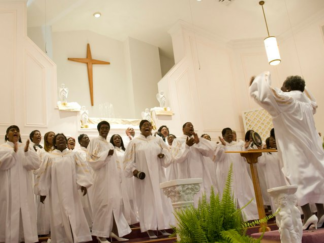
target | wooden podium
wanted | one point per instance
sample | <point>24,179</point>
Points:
<point>252,158</point>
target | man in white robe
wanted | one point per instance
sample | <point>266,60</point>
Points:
<point>242,184</point>
<point>106,192</point>
<point>17,207</point>
<point>299,149</point>
<point>188,152</point>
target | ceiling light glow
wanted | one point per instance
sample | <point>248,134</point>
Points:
<point>97,15</point>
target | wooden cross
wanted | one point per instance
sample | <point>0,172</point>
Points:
<point>89,61</point>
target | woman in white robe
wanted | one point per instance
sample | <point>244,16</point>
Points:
<point>62,174</point>
<point>188,152</point>
<point>272,168</point>
<point>43,218</point>
<point>84,141</point>
<point>127,184</point>
<point>299,149</point>
<point>106,192</point>
<point>17,208</point>
<point>242,184</point>
<point>148,154</point>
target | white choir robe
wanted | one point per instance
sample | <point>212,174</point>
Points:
<point>43,210</point>
<point>62,174</point>
<point>274,176</point>
<point>17,207</point>
<point>242,185</point>
<point>127,189</point>
<point>86,200</point>
<point>126,140</point>
<point>154,208</point>
<point>262,178</point>
<point>191,164</point>
<point>106,192</point>
<point>171,172</point>
<point>297,140</point>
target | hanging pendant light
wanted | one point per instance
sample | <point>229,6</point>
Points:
<point>271,44</point>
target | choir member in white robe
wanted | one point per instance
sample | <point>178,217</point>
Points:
<point>188,152</point>
<point>299,150</point>
<point>242,183</point>
<point>210,162</point>
<point>261,169</point>
<point>84,141</point>
<point>171,172</point>
<point>71,143</point>
<point>272,167</point>
<point>148,154</point>
<point>48,141</point>
<point>62,174</point>
<point>127,184</point>
<point>163,132</point>
<point>17,208</point>
<point>130,134</point>
<point>43,218</point>
<point>107,214</point>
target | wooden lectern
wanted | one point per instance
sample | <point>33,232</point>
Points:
<point>252,158</point>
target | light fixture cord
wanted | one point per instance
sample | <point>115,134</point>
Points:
<point>265,20</point>
<point>195,39</point>
<point>292,32</point>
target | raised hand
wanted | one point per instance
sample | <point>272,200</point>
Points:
<point>27,145</point>
<point>111,152</point>
<point>84,190</point>
<point>190,141</point>
<point>196,138</point>
<point>222,140</point>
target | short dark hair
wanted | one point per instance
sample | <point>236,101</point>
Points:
<point>224,131</point>
<point>247,135</point>
<point>81,136</point>
<point>142,123</point>
<point>268,142</point>
<point>102,123</point>
<point>161,127</point>
<point>172,135</point>
<point>272,133</point>
<point>31,135</point>
<point>295,83</point>
<point>12,126</point>
<point>183,126</point>
<point>121,141</point>
<point>54,139</point>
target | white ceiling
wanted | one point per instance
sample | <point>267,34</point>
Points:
<point>150,20</point>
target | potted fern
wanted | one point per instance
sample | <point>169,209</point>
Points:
<point>216,221</point>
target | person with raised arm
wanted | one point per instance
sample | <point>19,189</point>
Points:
<point>18,211</point>
<point>299,149</point>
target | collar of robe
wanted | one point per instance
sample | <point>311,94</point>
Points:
<point>84,149</point>
<point>148,137</point>
<point>11,144</point>
<point>65,151</point>
<point>102,139</point>
<point>119,149</point>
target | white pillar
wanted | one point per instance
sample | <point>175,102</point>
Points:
<point>288,218</point>
<point>181,192</point>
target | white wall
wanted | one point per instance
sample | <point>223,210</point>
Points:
<point>109,81</point>
<point>144,65</point>
<point>166,64</point>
